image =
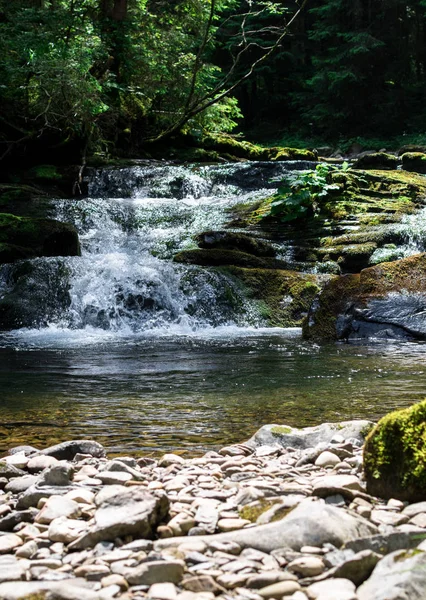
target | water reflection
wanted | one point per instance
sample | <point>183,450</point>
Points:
<point>196,391</point>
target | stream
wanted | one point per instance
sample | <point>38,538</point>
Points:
<point>147,355</point>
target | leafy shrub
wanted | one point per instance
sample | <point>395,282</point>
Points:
<point>301,196</point>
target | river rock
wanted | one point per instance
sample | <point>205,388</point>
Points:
<point>327,459</point>
<point>306,566</point>
<point>34,494</point>
<point>279,589</point>
<point>400,575</point>
<point>58,506</point>
<point>11,569</point>
<point>68,450</point>
<point>39,463</point>
<point>332,589</point>
<point>9,542</point>
<point>308,437</point>
<point>18,460</point>
<point>160,571</point>
<point>20,484</point>
<point>130,512</point>
<point>56,475</point>
<point>358,568</point>
<point>65,530</point>
<point>69,589</point>
<point>309,524</point>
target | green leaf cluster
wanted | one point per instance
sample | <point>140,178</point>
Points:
<point>302,196</point>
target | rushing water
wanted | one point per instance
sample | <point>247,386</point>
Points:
<point>140,353</point>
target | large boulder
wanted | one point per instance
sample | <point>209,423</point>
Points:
<point>385,301</point>
<point>309,437</point>
<point>398,576</point>
<point>68,450</point>
<point>311,523</point>
<point>133,512</point>
<point>377,160</point>
<point>25,237</point>
<point>229,240</point>
<point>395,455</point>
<point>414,161</point>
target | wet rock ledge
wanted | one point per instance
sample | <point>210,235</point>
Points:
<point>284,515</point>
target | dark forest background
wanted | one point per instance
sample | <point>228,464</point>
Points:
<point>115,76</point>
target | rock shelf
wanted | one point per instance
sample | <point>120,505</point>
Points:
<point>284,515</point>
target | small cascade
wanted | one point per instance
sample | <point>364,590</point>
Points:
<point>131,225</point>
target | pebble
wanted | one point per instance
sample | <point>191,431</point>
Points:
<point>175,496</point>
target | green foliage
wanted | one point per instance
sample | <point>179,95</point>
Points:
<point>302,196</point>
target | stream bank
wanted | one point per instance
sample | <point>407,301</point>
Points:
<point>256,520</point>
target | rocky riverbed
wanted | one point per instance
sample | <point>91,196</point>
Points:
<point>284,515</point>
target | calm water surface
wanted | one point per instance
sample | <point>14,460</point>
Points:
<point>195,391</point>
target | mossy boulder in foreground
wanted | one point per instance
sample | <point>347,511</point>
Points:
<point>395,455</point>
<point>414,161</point>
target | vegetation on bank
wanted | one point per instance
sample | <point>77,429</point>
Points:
<point>114,76</point>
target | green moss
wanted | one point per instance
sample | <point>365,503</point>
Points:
<point>45,173</point>
<point>215,257</point>
<point>377,160</point>
<point>227,145</point>
<point>395,455</point>
<point>280,429</point>
<point>282,297</point>
<point>254,510</point>
<point>414,161</point>
<point>23,237</point>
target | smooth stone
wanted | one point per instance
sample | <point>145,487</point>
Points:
<point>419,520</point>
<point>69,589</point>
<point>207,515</point>
<point>306,566</point>
<point>162,591</point>
<point>20,484</point>
<point>327,459</point>
<point>11,569</point>
<point>56,475</point>
<point>115,579</point>
<point>58,506</point>
<point>9,542</point>
<point>128,512</point>
<point>28,550</point>
<point>325,486</point>
<point>9,471</point>
<point>39,463</point>
<point>231,581</point>
<point>308,437</point>
<point>414,509</point>
<point>332,589</point>
<point>81,496</point>
<point>384,517</point>
<point>280,589</point>
<point>397,576</point>
<point>358,568</point>
<point>160,571</point>
<point>385,544</point>
<point>231,524</point>
<point>34,494</point>
<point>267,578</point>
<point>27,450</point>
<point>18,460</point>
<point>170,459</point>
<point>65,530</point>
<point>201,583</point>
<point>311,523</point>
<point>114,477</point>
<point>68,450</point>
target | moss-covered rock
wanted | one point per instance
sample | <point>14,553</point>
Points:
<point>282,297</point>
<point>235,241</point>
<point>387,300</point>
<point>395,455</point>
<point>23,237</point>
<point>377,160</point>
<point>216,257</point>
<point>229,147</point>
<point>414,161</point>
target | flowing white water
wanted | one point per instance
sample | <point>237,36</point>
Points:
<point>133,223</point>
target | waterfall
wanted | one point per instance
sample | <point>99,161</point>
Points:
<point>131,224</point>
